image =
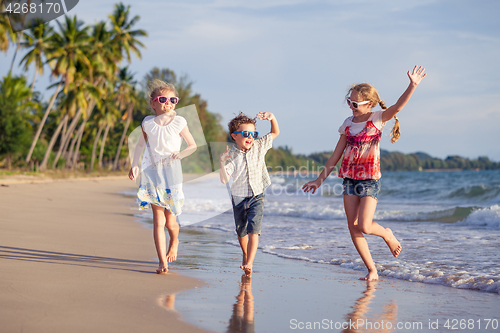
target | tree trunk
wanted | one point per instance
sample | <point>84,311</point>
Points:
<point>118,151</point>
<point>65,142</point>
<point>94,148</point>
<point>82,129</point>
<point>52,142</point>
<point>76,154</point>
<point>103,143</point>
<point>8,161</point>
<point>42,122</point>
<point>19,34</point>
<point>69,156</point>
<point>34,79</point>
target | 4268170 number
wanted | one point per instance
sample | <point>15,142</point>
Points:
<point>471,324</point>
<point>42,8</point>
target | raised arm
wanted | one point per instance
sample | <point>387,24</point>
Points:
<point>330,165</point>
<point>224,176</point>
<point>275,130</point>
<point>415,77</point>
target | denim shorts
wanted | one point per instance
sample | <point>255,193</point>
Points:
<point>248,215</point>
<point>362,188</point>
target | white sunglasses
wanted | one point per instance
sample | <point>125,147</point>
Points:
<point>355,104</point>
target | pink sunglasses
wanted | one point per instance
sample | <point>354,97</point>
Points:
<point>164,99</point>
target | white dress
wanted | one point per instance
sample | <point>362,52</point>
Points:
<point>161,176</point>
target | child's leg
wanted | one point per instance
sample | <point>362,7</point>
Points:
<point>351,206</point>
<point>244,247</point>
<point>173,232</point>
<point>366,225</point>
<point>159,238</point>
<point>255,213</point>
<point>253,244</point>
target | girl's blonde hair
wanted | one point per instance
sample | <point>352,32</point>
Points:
<point>369,93</point>
<point>156,87</point>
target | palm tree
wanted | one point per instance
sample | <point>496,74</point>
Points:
<point>68,47</point>
<point>6,32</point>
<point>67,51</point>
<point>106,118</point>
<point>127,98</point>
<point>17,37</point>
<point>37,37</point>
<point>123,36</point>
<point>76,103</point>
<point>104,57</point>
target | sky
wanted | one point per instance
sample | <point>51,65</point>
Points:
<point>297,59</point>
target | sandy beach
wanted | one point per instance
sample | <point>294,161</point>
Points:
<point>76,257</point>
<point>73,259</point>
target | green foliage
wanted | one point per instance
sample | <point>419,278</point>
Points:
<point>282,159</point>
<point>15,131</point>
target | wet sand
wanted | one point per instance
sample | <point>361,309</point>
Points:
<point>287,295</point>
<point>73,259</point>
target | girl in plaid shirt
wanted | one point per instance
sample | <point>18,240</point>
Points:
<point>360,144</point>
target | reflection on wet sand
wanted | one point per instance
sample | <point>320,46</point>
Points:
<point>243,310</point>
<point>168,302</point>
<point>359,321</point>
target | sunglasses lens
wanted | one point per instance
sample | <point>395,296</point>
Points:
<point>162,100</point>
<point>174,100</point>
<point>255,135</point>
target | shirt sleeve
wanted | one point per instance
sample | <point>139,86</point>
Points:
<point>344,125</point>
<point>181,122</point>
<point>266,142</point>
<point>229,167</point>
<point>146,123</point>
<point>377,119</point>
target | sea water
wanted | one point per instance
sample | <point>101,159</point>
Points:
<point>448,224</point>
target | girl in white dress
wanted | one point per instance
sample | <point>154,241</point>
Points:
<point>161,172</point>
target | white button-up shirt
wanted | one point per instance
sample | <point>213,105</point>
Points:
<point>248,169</point>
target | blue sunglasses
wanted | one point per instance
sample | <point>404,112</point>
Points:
<point>246,134</point>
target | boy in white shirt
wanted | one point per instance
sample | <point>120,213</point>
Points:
<point>245,162</point>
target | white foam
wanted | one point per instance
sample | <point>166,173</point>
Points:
<point>485,217</point>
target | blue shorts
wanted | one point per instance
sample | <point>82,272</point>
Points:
<point>248,215</point>
<point>361,188</point>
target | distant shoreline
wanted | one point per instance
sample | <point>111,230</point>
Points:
<point>314,172</point>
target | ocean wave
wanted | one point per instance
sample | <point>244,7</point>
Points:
<point>483,217</point>
<point>311,210</point>
<point>451,276</point>
<point>330,212</point>
<point>482,192</point>
<point>451,215</point>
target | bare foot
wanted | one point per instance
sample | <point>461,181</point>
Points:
<point>162,269</point>
<point>393,243</point>
<point>172,251</point>
<point>247,269</point>
<point>371,276</point>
